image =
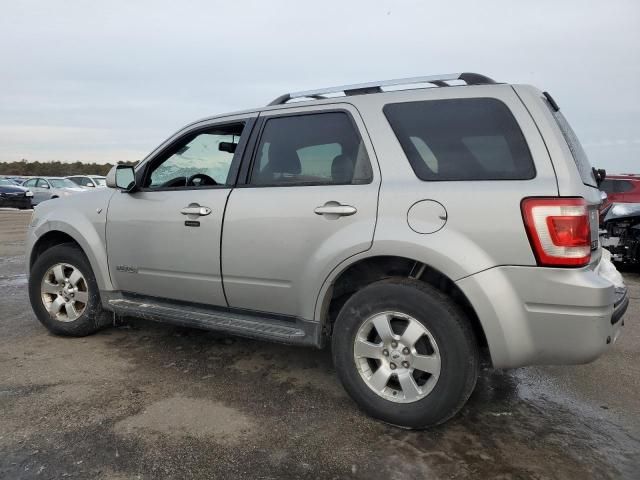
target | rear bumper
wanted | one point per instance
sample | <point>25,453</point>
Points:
<point>546,316</point>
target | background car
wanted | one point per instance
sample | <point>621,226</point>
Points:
<point>90,181</point>
<point>45,188</point>
<point>620,189</point>
<point>12,195</point>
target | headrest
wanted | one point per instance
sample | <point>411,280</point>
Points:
<point>342,169</point>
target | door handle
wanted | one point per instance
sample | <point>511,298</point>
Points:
<point>195,210</point>
<point>335,209</point>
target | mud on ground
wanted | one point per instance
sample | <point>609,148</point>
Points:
<point>151,401</point>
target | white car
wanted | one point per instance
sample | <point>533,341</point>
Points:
<point>89,181</point>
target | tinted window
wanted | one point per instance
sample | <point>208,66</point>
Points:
<point>461,139</point>
<point>200,159</point>
<point>579,156</point>
<point>625,186</point>
<point>322,148</point>
<point>607,186</point>
<point>616,186</point>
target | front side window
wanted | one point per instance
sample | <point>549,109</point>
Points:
<point>461,139</point>
<point>30,183</point>
<point>42,183</point>
<point>201,159</point>
<point>311,149</point>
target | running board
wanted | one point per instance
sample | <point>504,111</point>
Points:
<point>296,331</point>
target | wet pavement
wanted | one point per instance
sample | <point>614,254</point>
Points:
<point>146,400</point>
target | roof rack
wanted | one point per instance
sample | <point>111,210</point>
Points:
<point>376,87</point>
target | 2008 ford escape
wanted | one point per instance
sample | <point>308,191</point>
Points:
<point>416,230</point>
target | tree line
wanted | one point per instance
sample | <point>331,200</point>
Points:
<point>55,169</point>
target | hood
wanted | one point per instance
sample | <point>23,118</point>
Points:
<point>622,210</point>
<point>12,189</point>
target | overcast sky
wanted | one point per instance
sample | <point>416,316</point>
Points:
<point>107,81</point>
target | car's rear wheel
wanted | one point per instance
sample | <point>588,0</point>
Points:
<point>405,353</point>
<point>64,294</point>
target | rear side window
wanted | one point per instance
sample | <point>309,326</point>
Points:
<point>461,139</point>
<point>311,149</point>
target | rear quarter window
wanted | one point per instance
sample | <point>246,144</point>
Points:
<point>577,152</point>
<point>461,139</point>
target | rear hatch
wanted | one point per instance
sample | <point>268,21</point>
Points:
<point>590,191</point>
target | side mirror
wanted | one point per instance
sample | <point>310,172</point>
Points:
<point>122,177</point>
<point>45,185</point>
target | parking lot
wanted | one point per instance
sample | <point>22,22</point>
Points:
<point>145,400</point>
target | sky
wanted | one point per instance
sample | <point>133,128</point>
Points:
<point>108,81</point>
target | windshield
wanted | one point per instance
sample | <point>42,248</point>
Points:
<point>99,181</point>
<point>61,183</point>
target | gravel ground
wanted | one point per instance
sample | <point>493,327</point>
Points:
<point>145,400</point>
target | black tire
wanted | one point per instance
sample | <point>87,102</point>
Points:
<point>93,318</point>
<point>452,333</point>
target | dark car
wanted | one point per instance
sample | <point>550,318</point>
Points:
<point>12,195</point>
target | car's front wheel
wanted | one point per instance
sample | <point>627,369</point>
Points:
<point>405,353</point>
<point>64,293</point>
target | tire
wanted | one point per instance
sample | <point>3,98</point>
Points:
<point>78,321</point>
<point>445,333</point>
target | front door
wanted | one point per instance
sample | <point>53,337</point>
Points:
<point>309,203</point>
<point>40,189</point>
<point>164,239</point>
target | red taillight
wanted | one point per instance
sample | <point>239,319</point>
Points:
<point>558,230</point>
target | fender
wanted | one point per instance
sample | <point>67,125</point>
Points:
<point>83,218</point>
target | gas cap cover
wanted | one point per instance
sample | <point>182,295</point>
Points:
<point>426,216</point>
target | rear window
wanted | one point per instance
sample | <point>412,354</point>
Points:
<point>461,139</point>
<point>578,153</point>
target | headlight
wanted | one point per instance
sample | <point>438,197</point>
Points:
<point>29,193</point>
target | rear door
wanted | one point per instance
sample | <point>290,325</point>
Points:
<point>31,185</point>
<point>308,202</point>
<point>42,191</point>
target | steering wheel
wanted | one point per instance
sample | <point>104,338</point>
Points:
<point>204,180</point>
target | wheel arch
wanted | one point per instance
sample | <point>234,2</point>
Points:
<point>47,241</point>
<point>364,271</point>
<point>52,233</point>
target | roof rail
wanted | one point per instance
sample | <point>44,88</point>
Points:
<point>376,87</point>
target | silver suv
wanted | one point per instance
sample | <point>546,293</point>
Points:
<point>418,231</point>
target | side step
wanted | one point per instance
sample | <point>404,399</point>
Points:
<point>297,331</point>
